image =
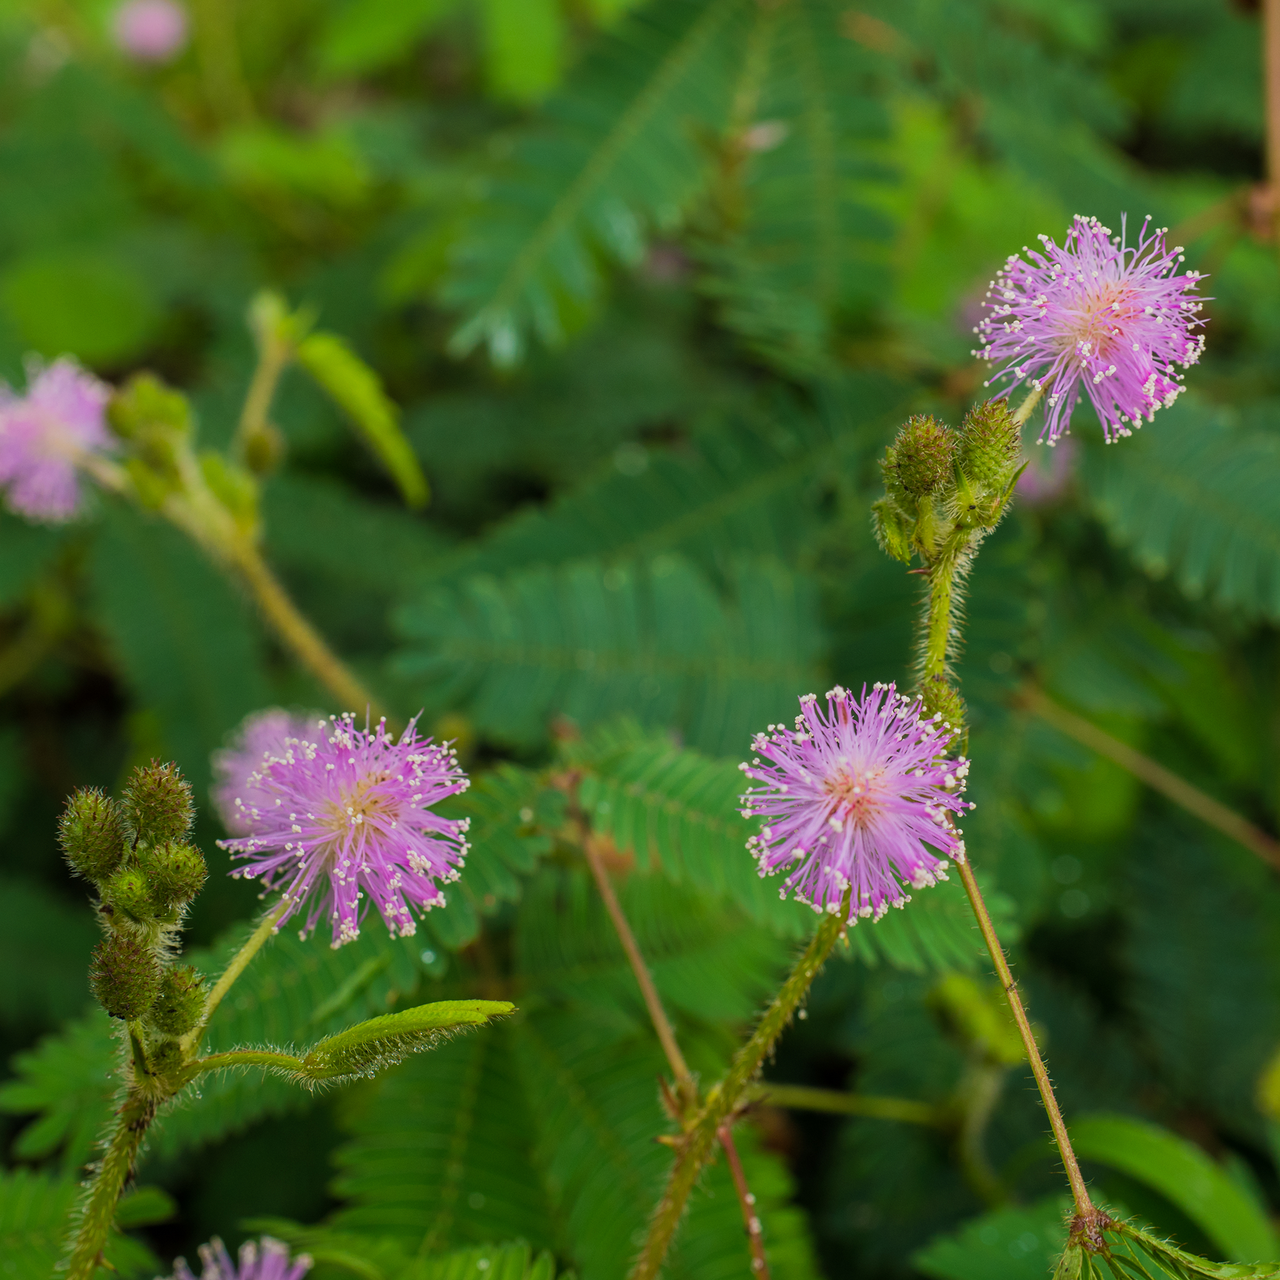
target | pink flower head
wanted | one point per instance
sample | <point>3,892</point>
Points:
<point>1096,313</point>
<point>268,1260</point>
<point>343,812</point>
<point>150,30</point>
<point>263,733</point>
<point>861,794</point>
<point>62,417</point>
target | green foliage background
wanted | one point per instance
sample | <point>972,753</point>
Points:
<point>653,283</point>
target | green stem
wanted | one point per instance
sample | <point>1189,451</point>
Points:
<point>245,1058</point>
<point>114,1171</point>
<point>239,962</point>
<point>1023,411</point>
<point>803,1097</point>
<point>694,1147</point>
<point>937,639</point>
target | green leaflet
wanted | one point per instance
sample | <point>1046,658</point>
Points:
<point>357,390</point>
<point>1227,1213</point>
<point>799,253</point>
<point>1009,1244</point>
<point>1196,497</point>
<point>746,486</point>
<point>35,1216</point>
<point>543,1130</point>
<point>590,641</point>
<point>624,159</point>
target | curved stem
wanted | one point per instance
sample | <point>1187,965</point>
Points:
<point>104,1193</point>
<point>1084,1206</point>
<point>297,633</point>
<point>1023,411</point>
<point>239,962</point>
<point>245,1058</point>
<point>723,1100</point>
<point>1156,776</point>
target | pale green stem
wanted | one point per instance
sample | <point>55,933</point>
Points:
<point>695,1145</point>
<point>115,1170</point>
<point>255,416</point>
<point>239,962</point>
<point>244,1058</point>
<point>803,1097</point>
<point>1032,398</point>
<point>935,648</point>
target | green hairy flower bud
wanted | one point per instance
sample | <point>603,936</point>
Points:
<point>124,976</point>
<point>157,801</point>
<point>129,893</point>
<point>923,456</point>
<point>180,1003</point>
<point>893,530</point>
<point>177,872</point>
<point>164,1056</point>
<point>990,443</point>
<point>92,833</point>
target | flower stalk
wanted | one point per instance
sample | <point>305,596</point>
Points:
<point>694,1146</point>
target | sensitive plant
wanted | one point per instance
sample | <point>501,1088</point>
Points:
<point>858,802</point>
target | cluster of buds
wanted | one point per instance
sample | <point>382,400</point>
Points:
<point>945,490</point>
<point>940,482</point>
<point>136,854</point>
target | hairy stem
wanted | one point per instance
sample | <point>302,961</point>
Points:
<point>297,633</point>
<point>1084,1206</point>
<point>1156,776</point>
<point>936,641</point>
<point>239,963</point>
<point>1029,402</point>
<point>750,1218</point>
<point>694,1147</point>
<point>104,1192</point>
<point>245,1058</point>
<point>652,1001</point>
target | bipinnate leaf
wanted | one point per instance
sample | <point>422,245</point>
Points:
<point>357,390</point>
<point>372,1046</point>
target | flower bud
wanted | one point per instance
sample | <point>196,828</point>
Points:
<point>893,532</point>
<point>157,801</point>
<point>124,975</point>
<point>990,443</point>
<point>129,893</point>
<point>923,456</point>
<point>180,1003</point>
<point>92,833</point>
<point>164,1056</point>
<point>177,872</point>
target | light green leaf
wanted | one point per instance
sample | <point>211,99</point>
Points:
<point>523,47</point>
<point>358,391</point>
<point>1009,1244</point>
<point>1186,1176</point>
<point>363,35</point>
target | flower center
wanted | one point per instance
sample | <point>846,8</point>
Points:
<point>360,803</point>
<point>1093,325</point>
<point>855,794</point>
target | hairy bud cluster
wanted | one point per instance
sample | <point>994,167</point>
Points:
<point>135,852</point>
<point>945,489</point>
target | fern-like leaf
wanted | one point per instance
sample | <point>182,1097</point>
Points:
<point>1198,497</point>
<point>590,641</point>
<point>619,154</point>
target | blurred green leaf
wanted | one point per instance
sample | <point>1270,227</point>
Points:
<point>357,390</point>
<point>1009,1244</point>
<point>1234,1220</point>
<point>363,35</point>
<point>523,47</point>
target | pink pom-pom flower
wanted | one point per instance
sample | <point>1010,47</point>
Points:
<point>268,1260</point>
<point>235,792</point>
<point>1097,313</point>
<point>860,794</point>
<point>44,434</point>
<point>344,814</point>
<point>150,30</point>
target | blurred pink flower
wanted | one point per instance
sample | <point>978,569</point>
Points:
<point>150,30</point>
<point>1050,472</point>
<point>62,417</point>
